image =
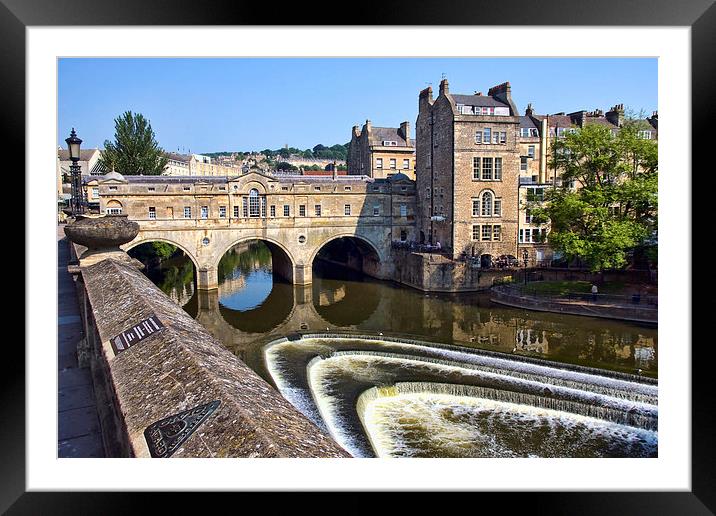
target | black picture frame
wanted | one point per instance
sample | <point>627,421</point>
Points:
<point>700,15</point>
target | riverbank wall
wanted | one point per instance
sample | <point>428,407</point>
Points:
<point>511,297</point>
<point>166,387</point>
<point>437,273</point>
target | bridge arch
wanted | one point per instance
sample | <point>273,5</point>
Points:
<point>143,239</point>
<point>283,261</point>
<point>371,258</point>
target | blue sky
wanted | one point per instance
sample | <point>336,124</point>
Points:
<point>211,105</point>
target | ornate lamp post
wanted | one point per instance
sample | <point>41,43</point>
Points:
<point>524,259</point>
<point>77,204</point>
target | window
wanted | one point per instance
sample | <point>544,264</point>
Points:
<point>236,211</point>
<point>284,188</point>
<point>302,210</point>
<point>487,204</point>
<point>427,192</point>
<point>496,137</point>
<point>347,209</point>
<point>317,209</point>
<point>476,232</point>
<point>151,189</point>
<point>403,235</point>
<point>497,208</point>
<point>152,212</point>
<point>486,232</point>
<point>263,207</point>
<point>378,162</point>
<point>113,211</point>
<point>187,188</point>
<point>498,169</point>
<point>496,233</point>
<point>222,212</point>
<point>112,188</point>
<point>376,210</point>
<point>273,210</point>
<point>531,151</point>
<point>317,188</point>
<point>187,212</point>
<point>403,210</point>
<point>478,136</point>
<point>486,169</point>
<point>286,210</point>
<point>244,207</point>
<point>204,212</point>
<point>503,137</point>
<point>475,168</point>
<point>524,132</point>
<point>486,135</point>
<point>222,188</point>
<point>535,194</point>
<point>390,143</point>
<point>476,207</point>
<point>644,135</point>
<point>95,192</point>
<point>523,163</point>
<point>347,188</point>
<point>392,164</point>
<point>253,203</point>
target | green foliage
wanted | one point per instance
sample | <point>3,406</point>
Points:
<point>282,165</point>
<point>135,149</point>
<point>154,252</point>
<point>614,212</point>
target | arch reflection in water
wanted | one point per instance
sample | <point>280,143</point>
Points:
<point>343,297</point>
<point>385,397</point>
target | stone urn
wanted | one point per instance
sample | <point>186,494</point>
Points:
<point>102,237</point>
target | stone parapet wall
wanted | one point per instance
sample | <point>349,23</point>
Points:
<point>180,367</point>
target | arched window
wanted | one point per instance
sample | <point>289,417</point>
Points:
<point>487,204</point>
<point>254,203</point>
<point>113,208</point>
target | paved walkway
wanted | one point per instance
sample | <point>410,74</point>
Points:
<point>78,420</point>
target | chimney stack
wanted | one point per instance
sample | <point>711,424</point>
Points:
<point>528,111</point>
<point>444,90</point>
<point>616,115</point>
<point>405,132</point>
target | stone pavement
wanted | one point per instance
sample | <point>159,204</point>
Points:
<point>78,421</point>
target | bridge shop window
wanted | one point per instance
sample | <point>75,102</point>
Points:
<point>152,212</point>
<point>187,212</point>
<point>254,203</point>
<point>317,208</point>
<point>286,210</point>
<point>222,212</point>
<point>273,210</point>
<point>302,210</point>
<point>376,210</point>
<point>236,211</point>
<point>204,212</point>
<point>347,209</point>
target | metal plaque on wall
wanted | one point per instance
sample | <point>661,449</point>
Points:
<point>165,436</point>
<point>135,334</point>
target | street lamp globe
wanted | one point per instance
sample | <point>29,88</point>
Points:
<point>73,145</point>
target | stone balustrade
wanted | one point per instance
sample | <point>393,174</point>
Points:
<point>170,388</point>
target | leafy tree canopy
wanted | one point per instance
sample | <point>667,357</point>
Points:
<point>135,149</point>
<point>613,211</point>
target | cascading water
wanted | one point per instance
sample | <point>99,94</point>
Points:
<point>397,398</point>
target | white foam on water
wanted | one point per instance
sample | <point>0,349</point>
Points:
<point>418,423</point>
<point>570,395</point>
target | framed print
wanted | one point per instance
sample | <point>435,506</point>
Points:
<point>246,288</point>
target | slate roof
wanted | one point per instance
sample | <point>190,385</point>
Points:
<point>380,134</point>
<point>526,121</point>
<point>478,100</point>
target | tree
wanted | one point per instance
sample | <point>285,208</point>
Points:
<point>614,212</point>
<point>134,150</point>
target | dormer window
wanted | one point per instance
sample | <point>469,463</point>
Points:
<point>644,135</point>
<point>390,143</point>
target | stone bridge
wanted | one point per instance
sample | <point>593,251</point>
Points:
<point>295,216</point>
<point>293,249</point>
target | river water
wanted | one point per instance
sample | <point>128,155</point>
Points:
<point>393,372</point>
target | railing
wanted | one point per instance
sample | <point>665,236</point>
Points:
<point>416,247</point>
<point>644,300</point>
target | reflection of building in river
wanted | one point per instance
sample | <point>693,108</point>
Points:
<point>181,294</point>
<point>329,297</point>
<point>530,339</point>
<point>233,283</point>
